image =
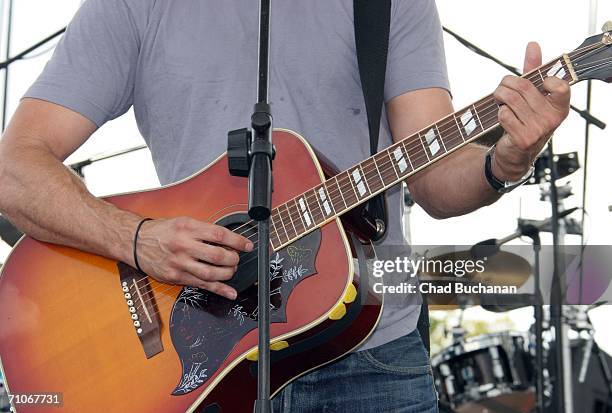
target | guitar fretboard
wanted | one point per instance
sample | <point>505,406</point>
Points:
<point>392,165</point>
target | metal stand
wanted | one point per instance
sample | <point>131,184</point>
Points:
<point>491,247</point>
<point>581,322</point>
<point>251,153</point>
<point>557,294</point>
<point>534,233</point>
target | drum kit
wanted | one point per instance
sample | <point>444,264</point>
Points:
<point>497,372</point>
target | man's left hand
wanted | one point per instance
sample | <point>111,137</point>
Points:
<point>528,117</point>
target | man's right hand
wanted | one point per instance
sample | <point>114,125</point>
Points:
<point>46,201</point>
<point>186,251</point>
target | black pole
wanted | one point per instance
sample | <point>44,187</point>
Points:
<point>30,49</point>
<point>533,231</point>
<point>538,315</point>
<point>5,64</point>
<point>556,294</point>
<point>260,204</point>
<point>263,403</point>
<point>264,47</point>
<point>78,166</point>
<point>9,31</point>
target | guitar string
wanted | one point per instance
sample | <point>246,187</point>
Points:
<point>484,113</point>
<point>574,53</point>
<point>361,166</point>
<point>596,67</point>
<point>309,195</point>
<point>174,287</point>
<point>404,143</point>
<point>593,63</point>
<point>586,68</point>
<point>385,172</point>
<point>587,49</point>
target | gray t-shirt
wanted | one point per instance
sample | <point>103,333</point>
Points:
<point>189,70</point>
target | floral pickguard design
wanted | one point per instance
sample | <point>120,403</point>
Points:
<point>204,327</point>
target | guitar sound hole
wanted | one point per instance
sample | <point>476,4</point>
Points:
<point>246,274</point>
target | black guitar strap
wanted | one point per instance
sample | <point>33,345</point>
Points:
<point>372,20</point>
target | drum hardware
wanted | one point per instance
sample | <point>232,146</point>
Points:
<point>490,248</point>
<point>488,373</point>
<point>567,164</point>
<point>457,331</point>
<point>578,319</point>
<point>564,192</point>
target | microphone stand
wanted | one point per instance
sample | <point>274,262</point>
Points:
<point>260,204</point>
<point>250,153</point>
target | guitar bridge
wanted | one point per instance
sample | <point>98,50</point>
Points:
<point>143,312</point>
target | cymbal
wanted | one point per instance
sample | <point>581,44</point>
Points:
<point>501,269</point>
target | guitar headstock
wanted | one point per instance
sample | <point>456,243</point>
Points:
<point>593,59</point>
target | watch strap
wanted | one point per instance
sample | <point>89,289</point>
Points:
<point>495,183</point>
<point>501,186</point>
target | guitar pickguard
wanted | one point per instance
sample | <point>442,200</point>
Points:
<point>204,327</point>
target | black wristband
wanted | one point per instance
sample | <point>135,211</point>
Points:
<point>136,243</point>
<point>495,183</point>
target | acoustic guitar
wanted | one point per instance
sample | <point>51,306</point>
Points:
<point>95,335</point>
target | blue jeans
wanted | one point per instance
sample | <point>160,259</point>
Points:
<point>395,377</point>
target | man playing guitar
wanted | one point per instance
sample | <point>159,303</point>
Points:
<point>184,67</point>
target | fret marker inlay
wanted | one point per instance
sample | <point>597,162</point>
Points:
<point>432,142</point>
<point>305,212</point>
<point>468,121</point>
<point>401,162</point>
<point>360,185</point>
<point>324,201</point>
<point>557,70</point>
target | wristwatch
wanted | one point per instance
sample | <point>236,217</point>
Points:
<point>503,187</point>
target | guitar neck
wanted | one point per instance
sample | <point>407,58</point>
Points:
<point>317,206</point>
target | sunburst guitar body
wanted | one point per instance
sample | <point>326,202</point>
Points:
<point>104,337</point>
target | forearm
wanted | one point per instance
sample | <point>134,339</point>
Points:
<point>48,202</point>
<point>455,186</point>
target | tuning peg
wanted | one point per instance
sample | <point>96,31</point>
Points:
<point>607,27</point>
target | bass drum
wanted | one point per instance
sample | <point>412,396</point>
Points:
<point>492,373</point>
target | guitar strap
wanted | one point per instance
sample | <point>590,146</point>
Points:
<point>372,20</point>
